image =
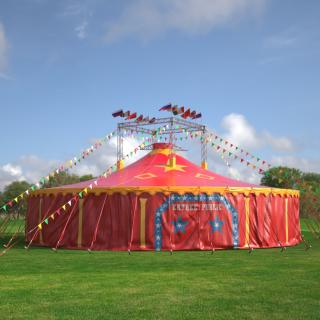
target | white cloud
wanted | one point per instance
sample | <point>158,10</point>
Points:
<point>31,167</point>
<point>81,29</point>
<point>80,15</point>
<point>280,41</point>
<point>303,164</point>
<point>149,18</point>
<point>12,170</point>
<point>240,132</point>
<point>3,52</point>
<point>106,156</point>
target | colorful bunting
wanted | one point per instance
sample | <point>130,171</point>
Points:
<point>84,191</point>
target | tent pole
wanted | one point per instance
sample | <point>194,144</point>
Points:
<point>133,218</point>
<point>211,233</point>
<point>170,218</point>
<point>33,237</point>
<point>66,224</point>
<point>98,222</point>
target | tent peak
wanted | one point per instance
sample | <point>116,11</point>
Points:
<point>162,145</point>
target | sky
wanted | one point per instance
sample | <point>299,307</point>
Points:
<point>251,67</point>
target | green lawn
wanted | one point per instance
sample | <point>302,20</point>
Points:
<point>267,284</point>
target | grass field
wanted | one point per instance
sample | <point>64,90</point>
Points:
<point>267,284</point>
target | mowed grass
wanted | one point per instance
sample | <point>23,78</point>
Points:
<point>267,284</point>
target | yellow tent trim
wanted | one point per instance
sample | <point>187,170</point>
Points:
<point>173,189</point>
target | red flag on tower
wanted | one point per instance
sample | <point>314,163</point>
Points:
<point>117,113</point>
<point>132,116</point>
<point>186,114</point>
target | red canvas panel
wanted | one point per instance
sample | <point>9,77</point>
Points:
<point>117,222</point>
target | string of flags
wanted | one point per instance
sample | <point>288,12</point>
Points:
<point>85,191</point>
<point>182,111</point>
<point>62,168</point>
<point>243,152</point>
<point>128,115</point>
<point>232,154</point>
<point>222,149</point>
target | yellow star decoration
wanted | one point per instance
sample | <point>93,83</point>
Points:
<point>176,167</point>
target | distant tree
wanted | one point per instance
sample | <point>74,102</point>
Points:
<point>1,199</point>
<point>16,188</point>
<point>86,177</point>
<point>62,179</point>
<point>282,177</point>
<point>307,183</point>
<point>12,191</point>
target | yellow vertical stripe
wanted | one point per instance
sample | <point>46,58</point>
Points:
<point>286,220</point>
<point>247,209</point>
<point>80,223</point>
<point>143,202</point>
<point>40,220</point>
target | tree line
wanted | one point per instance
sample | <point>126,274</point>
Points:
<point>17,187</point>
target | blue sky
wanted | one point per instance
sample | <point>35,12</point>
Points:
<point>251,67</point>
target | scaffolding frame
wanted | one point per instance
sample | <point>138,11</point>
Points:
<point>171,123</point>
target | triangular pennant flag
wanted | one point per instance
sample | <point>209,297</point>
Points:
<point>69,203</point>
<point>40,226</point>
<point>52,216</point>
<point>80,194</point>
<point>64,207</point>
<point>46,221</point>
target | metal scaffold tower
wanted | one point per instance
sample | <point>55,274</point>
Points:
<point>174,127</point>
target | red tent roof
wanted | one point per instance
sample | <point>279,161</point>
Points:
<point>155,170</point>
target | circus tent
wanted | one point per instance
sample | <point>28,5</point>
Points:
<point>164,202</point>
